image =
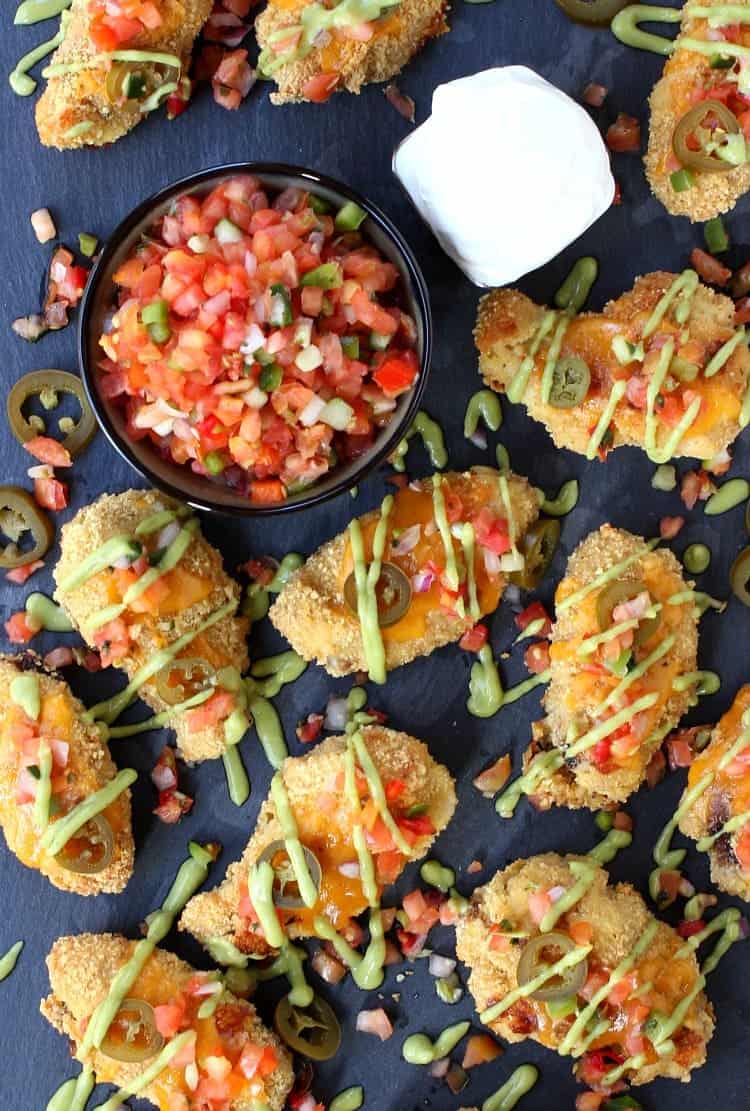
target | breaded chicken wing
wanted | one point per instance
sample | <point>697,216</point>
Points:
<point>38,712</point>
<point>152,585</point>
<point>314,786</point>
<point>719,784</point>
<point>312,610</point>
<point>662,368</point>
<point>112,69</point>
<point>248,1065</point>
<point>610,1009</point>
<point>311,50</point>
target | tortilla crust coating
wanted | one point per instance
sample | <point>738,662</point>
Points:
<point>89,768</point>
<point>397,38</point>
<point>81,970</point>
<point>80,97</point>
<point>507,320</point>
<point>724,798</point>
<point>581,783</point>
<point>113,514</point>
<point>311,612</point>
<point>618,916</point>
<point>672,96</point>
<point>214,914</point>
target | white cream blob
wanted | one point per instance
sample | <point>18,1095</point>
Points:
<point>507,171</point>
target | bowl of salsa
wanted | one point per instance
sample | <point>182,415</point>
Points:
<point>255,338</point>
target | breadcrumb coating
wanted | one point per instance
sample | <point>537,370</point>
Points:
<point>672,96</point>
<point>399,34</point>
<point>311,612</point>
<point>81,970</point>
<point>89,768</point>
<point>581,783</point>
<point>78,98</point>
<point>618,917</point>
<point>224,642</point>
<point>396,756</point>
<point>507,321</point>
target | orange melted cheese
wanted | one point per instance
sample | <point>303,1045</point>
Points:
<point>415,507</point>
<point>737,788</point>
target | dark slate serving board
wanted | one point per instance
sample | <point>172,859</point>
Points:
<point>353,138</point>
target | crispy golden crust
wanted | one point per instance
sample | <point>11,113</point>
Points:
<point>713,808</point>
<point>507,320</point>
<point>76,98</point>
<point>311,613</point>
<point>358,63</point>
<point>120,513</point>
<point>90,767</point>
<point>396,756</point>
<point>672,96</point>
<point>583,784</point>
<point>618,916</point>
<point>81,970</point>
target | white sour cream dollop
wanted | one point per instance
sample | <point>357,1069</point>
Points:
<point>507,171</point>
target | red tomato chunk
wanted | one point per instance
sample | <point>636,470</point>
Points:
<point>255,342</point>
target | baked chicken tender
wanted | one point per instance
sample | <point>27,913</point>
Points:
<point>688,77</point>
<point>311,611</point>
<point>314,786</point>
<point>77,109</point>
<point>727,797</point>
<point>610,919</point>
<point>507,324</point>
<point>81,970</point>
<point>354,55</point>
<point>81,765</point>
<point>178,603</point>
<point>609,771</point>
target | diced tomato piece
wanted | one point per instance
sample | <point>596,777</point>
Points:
<point>18,629</point>
<point>215,710</point>
<point>173,805</point>
<point>169,1017</point>
<point>267,491</point>
<point>19,575</point>
<point>396,373</point>
<point>47,450</point>
<point>594,95</point>
<point>696,486</point>
<point>709,269</point>
<point>581,932</point>
<point>624,134</point>
<point>310,729</point>
<point>480,1048</point>
<point>688,928</point>
<point>670,526</point>
<point>742,849</point>
<point>537,658</point>
<point>474,638</point>
<point>319,88</point>
<point>534,612</point>
<point>539,903</point>
<point>422,825</point>
<point>50,493</point>
<point>493,778</point>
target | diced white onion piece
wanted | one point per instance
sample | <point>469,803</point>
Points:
<point>168,534</point>
<point>350,869</point>
<point>309,359</point>
<point>383,405</point>
<point>256,397</point>
<point>43,225</point>
<point>253,340</point>
<point>441,966</point>
<point>556,892</point>
<point>337,414</point>
<point>42,470</point>
<point>227,232</point>
<point>303,332</point>
<point>439,1068</point>
<point>311,412</point>
<point>337,714</point>
<point>491,562</point>
<point>407,541</point>
<point>375,1022</point>
<point>199,244</point>
<point>511,561</point>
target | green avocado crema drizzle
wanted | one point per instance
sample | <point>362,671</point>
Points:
<point>156,1068</point>
<point>728,922</point>
<point>418,1049</point>
<point>73,1094</point>
<point>520,1081</point>
<point>485,689</point>
<point>167,562</point>
<point>605,577</point>
<point>520,380</point>
<point>192,873</point>
<point>19,80</point>
<point>9,960</point>
<point>625,27</point>
<point>307,889</point>
<point>258,598</point>
<point>466,535</point>
<point>45,614</point>
<point>441,520</point>
<point>366,579</point>
<point>615,397</point>
<point>432,437</point>
<point>57,835</point>
<point>26,693</point>
<point>110,708</point>
<point>542,766</point>
<point>484,404</point>
<point>585,874</point>
<point>569,960</point>
<point>351,1099</point>
<point>117,547</point>
<point>36,11</point>
<point>314,19</point>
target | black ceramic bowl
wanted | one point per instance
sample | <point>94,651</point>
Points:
<point>177,480</point>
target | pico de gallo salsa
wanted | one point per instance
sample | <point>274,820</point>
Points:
<point>259,340</point>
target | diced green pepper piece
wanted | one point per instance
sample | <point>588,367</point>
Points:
<point>681,180</point>
<point>157,312</point>
<point>318,204</point>
<point>350,217</point>
<point>262,356</point>
<point>721,61</point>
<point>561,1008</point>
<point>604,821</point>
<point>213,462</point>
<point>326,276</point>
<point>379,341</point>
<point>281,306</point>
<point>350,346</point>
<point>159,333</point>
<point>270,377</point>
<point>716,236</point>
<point>87,244</point>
